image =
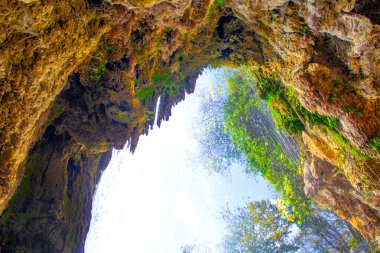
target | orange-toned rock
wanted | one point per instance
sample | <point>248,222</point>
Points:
<point>121,58</point>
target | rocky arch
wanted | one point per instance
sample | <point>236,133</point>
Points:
<point>80,78</point>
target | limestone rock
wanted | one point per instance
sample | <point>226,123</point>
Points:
<point>78,78</point>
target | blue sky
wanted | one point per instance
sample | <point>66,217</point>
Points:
<point>159,199</point>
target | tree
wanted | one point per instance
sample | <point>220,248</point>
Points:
<point>217,152</point>
<point>268,151</point>
<point>187,249</point>
<point>323,231</point>
<point>204,247</point>
<point>257,228</point>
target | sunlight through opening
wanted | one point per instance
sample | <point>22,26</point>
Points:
<point>161,197</point>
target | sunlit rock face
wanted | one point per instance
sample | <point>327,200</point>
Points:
<point>122,55</point>
<point>41,44</point>
<point>325,184</point>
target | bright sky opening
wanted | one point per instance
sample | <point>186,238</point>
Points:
<point>159,199</point>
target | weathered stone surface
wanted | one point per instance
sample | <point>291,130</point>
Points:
<point>51,210</point>
<point>123,57</point>
<point>41,43</point>
<point>326,184</point>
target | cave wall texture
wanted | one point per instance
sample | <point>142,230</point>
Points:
<point>80,77</point>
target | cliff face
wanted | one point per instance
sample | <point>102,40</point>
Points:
<point>81,77</point>
<point>41,44</point>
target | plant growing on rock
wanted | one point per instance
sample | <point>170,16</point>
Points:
<point>268,152</point>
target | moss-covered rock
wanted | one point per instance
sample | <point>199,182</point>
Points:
<point>121,58</point>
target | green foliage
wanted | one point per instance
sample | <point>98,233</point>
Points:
<point>99,60</point>
<point>98,65</point>
<point>145,95</point>
<point>352,243</point>
<point>305,29</point>
<point>216,151</point>
<point>98,70</point>
<point>162,78</point>
<point>357,111</point>
<point>375,144</point>
<point>183,37</point>
<point>324,231</point>
<point>215,7</point>
<point>140,61</point>
<point>293,118</point>
<point>266,155</point>
<point>165,80</point>
<point>345,144</point>
<point>101,88</point>
<point>287,111</point>
<point>149,116</point>
<point>253,131</point>
<point>111,48</point>
<point>258,227</point>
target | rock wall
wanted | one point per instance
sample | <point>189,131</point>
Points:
<point>123,55</point>
<point>41,43</point>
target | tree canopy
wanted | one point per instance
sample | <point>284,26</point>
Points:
<point>259,227</point>
<point>217,152</point>
<point>269,152</point>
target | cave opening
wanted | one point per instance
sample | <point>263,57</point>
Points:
<point>315,69</point>
<point>163,201</point>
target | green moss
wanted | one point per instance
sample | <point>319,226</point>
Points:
<point>24,188</point>
<point>56,110</point>
<point>99,69</point>
<point>293,118</point>
<point>352,243</point>
<point>30,169</point>
<point>98,62</point>
<point>149,115</point>
<point>101,88</point>
<point>145,95</point>
<point>8,211</point>
<point>140,61</point>
<point>345,144</point>
<point>120,116</point>
<point>216,7</point>
<point>375,144</point>
<point>111,48</point>
<point>165,80</point>
<point>183,37</point>
<point>305,29</point>
<point>161,78</point>
<point>351,110</point>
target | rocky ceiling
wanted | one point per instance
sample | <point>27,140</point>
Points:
<point>80,77</point>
